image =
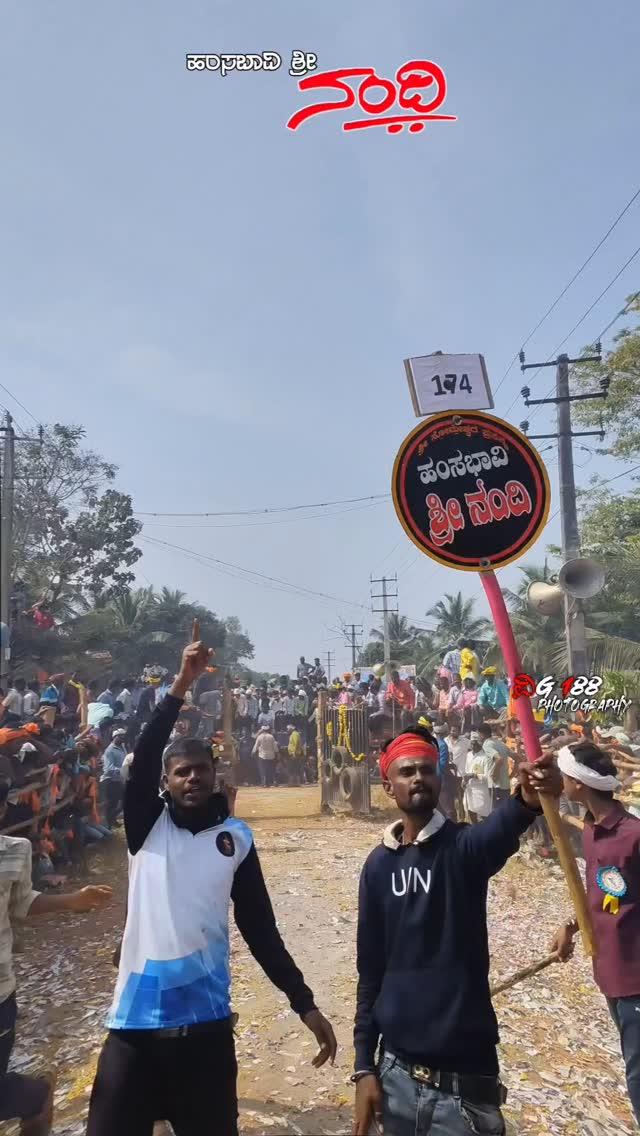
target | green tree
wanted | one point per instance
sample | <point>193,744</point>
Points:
<point>455,619</point>
<point>621,410</point>
<point>607,519</point>
<point>538,637</point>
<point>403,638</point>
<point>237,644</point>
<point>73,533</point>
<point>371,654</point>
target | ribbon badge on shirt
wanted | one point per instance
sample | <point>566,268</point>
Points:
<point>611,882</point>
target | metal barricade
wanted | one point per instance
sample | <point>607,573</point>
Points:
<point>343,758</point>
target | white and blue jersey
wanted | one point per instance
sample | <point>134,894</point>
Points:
<point>174,960</point>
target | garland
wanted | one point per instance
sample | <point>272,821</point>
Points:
<point>344,736</point>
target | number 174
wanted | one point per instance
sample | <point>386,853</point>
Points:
<point>447,384</point>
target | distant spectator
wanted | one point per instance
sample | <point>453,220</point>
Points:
<point>13,703</point>
<point>452,660</point>
<point>146,704</point>
<point>493,695</point>
<point>467,707</point>
<point>266,750</point>
<point>126,697</point>
<point>400,693</point>
<point>107,696</point>
<point>295,751</point>
<point>469,661</point>
<point>498,769</point>
<point>111,779</point>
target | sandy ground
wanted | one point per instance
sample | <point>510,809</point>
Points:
<point>559,1050</point>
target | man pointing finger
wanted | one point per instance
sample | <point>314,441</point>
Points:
<point>170,1050</point>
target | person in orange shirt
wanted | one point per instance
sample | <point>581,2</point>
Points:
<point>400,697</point>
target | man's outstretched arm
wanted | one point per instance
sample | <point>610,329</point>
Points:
<point>142,803</point>
<point>491,842</point>
<point>257,925</point>
<point>24,901</point>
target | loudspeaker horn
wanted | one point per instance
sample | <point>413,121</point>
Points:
<point>545,598</point>
<point>582,578</point>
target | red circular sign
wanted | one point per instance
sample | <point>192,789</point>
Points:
<point>470,490</point>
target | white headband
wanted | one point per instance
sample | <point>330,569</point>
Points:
<point>568,764</point>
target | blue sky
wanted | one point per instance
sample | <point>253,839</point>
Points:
<point>225,305</point>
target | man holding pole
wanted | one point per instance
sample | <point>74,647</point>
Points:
<point>423,959</point>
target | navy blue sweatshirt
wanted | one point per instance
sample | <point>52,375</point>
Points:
<point>423,952</point>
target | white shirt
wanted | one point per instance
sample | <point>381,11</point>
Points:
<point>30,702</point>
<point>458,749</point>
<point>477,795</point>
<point>13,702</point>
<point>126,698</point>
<point>16,897</point>
<point>498,754</point>
<point>266,747</point>
<point>126,766</point>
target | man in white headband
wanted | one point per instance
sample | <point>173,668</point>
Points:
<point>611,842</point>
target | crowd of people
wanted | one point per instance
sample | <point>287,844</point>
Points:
<point>77,761</point>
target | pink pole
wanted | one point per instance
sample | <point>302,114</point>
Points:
<point>511,657</point>
<point>533,750</point>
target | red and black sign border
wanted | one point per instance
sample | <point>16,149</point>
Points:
<point>529,453</point>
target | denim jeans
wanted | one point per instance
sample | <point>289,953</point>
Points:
<point>626,1014</point>
<point>411,1108</point>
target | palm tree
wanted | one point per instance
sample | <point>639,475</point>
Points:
<point>403,637</point>
<point>130,611</point>
<point>173,608</point>
<point>531,574</point>
<point>455,620</point>
<point>371,654</point>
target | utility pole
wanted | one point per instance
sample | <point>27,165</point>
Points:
<point>573,607</point>
<point>330,657</point>
<point>6,535</point>
<point>352,632</point>
<point>386,611</point>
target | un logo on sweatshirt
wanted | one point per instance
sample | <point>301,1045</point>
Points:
<point>410,879</point>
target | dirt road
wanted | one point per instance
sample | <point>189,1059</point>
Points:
<point>559,1050</point>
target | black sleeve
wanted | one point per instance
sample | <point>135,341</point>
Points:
<point>257,925</point>
<point>371,965</point>
<point>491,842</point>
<point>142,804</point>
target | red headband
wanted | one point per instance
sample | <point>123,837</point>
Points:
<point>407,745</point>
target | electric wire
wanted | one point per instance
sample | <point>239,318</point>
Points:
<point>569,284</point>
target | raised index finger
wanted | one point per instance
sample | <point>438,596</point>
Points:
<point>195,631</point>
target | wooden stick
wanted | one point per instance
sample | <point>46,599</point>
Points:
<point>533,751</point>
<point>575,821</point>
<point>526,972</point>
<point>195,631</point>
